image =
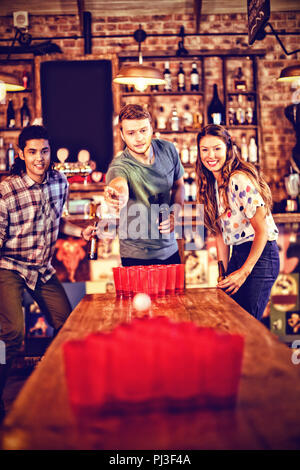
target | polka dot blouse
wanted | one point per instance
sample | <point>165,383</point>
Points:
<point>243,199</point>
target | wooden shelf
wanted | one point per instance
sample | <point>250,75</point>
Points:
<point>165,93</point>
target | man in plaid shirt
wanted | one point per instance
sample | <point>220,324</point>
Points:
<point>31,205</point>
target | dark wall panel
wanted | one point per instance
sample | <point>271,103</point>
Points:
<point>77,108</point>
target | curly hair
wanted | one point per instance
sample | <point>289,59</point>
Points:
<point>234,163</point>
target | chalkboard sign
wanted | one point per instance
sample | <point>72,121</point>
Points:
<point>258,15</point>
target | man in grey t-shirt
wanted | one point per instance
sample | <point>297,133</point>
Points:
<point>146,177</point>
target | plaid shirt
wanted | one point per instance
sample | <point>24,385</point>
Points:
<point>29,224</point>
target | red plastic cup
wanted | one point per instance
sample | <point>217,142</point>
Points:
<point>118,281</point>
<point>180,271</point>
<point>171,279</point>
<point>124,272</point>
<point>153,282</point>
<point>75,372</point>
<point>133,279</point>
<point>143,280</point>
<point>162,280</point>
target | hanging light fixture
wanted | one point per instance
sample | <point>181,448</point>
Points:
<point>290,74</point>
<point>139,75</point>
<point>9,82</point>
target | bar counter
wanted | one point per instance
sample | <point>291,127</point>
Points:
<point>266,415</point>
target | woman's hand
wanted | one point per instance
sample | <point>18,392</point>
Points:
<point>233,281</point>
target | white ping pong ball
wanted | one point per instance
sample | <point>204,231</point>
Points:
<point>141,302</point>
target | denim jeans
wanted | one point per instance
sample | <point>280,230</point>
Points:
<point>254,294</point>
<point>50,296</point>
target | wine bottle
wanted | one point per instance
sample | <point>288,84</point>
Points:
<point>174,120</point>
<point>239,80</point>
<point>161,121</point>
<point>10,115</point>
<point>185,154</point>
<point>216,110</point>
<point>3,160</point>
<point>187,117</point>
<point>240,112</point>
<point>194,78</point>
<point>231,112</point>
<point>249,111</point>
<point>181,78</point>
<point>252,150</point>
<point>25,80</point>
<point>244,149</point>
<point>167,77</point>
<point>154,87</point>
<point>25,114</point>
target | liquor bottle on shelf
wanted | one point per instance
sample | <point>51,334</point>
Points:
<point>193,187</point>
<point>187,117</point>
<point>10,115</point>
<point>180,78</point>
<point>174,121</point>
<point>240,112</point>
<point>198,117</point>
<point>25,114</point>
<point>3,160</point>
<point>252,150</point>
<point>249,113</point>
<point>176,146</point>
<point>216,110</point>
<point>239,80</point>
<point>193,154</point>
<point>154,87</point>
<point>244,149</point>
<point>25,79</point>
<point>167,77</point>
<point>185,154</point>
<point>10,155</point>
<point>161,121</point>
<point>231,112</point>
<point>187,187</point>
<point>194,78</point>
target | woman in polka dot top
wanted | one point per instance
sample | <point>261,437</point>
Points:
<point>237,209</point>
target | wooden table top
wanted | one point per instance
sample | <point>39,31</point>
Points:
<point>267,415</point>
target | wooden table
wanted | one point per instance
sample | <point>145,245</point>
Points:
<point>267,415</point>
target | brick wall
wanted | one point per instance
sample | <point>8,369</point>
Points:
<point>278,134</point>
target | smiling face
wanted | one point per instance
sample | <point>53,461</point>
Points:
<point>213,152</point>
<point>36,156</point>
<point>137,135</point>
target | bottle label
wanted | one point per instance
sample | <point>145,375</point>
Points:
<point>181,80</point>
<point>168,84</point>
<point>194,79</point>
<point>217,118</point>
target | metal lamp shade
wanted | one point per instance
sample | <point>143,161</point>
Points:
<point>290,74</point>
<point>140,76</point>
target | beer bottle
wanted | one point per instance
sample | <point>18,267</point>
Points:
<point>221,271</point>
<point>93,246</point>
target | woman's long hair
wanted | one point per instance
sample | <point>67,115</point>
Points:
<point>206,180</point>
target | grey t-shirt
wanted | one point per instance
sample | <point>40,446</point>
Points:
<point>149,187</point>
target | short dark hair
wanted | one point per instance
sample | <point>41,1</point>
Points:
<point>29,133</point>
<point>133,111</point>
<point>32,132</point>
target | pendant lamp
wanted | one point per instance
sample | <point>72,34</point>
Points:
<point>9,82</point>
<point>139,75</point>
<point>290,74</point>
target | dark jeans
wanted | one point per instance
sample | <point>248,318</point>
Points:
<point>254,294</point>
<point>50,297</point>
<point>174,259</point>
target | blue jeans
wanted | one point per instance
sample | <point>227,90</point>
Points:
<point>254,294</point>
